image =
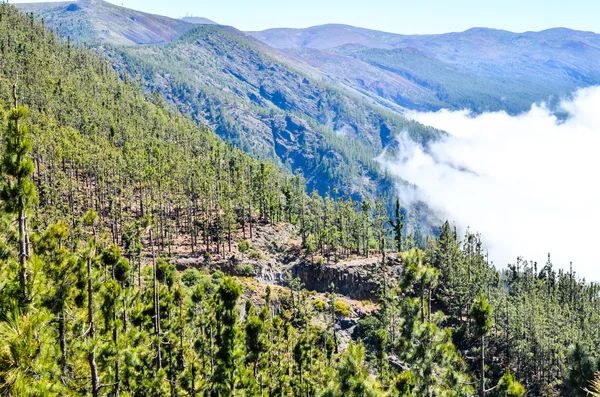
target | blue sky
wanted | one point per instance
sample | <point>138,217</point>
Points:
<point>398,16</point>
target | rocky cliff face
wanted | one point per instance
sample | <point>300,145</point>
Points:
<point>358,279</point>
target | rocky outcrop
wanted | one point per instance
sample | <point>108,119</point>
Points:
<point>358,279</point>
<point>276,254</point>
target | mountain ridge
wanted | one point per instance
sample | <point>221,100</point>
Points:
<point>98,22</point>
<point>198,20</point>
<point>482,69</point>
<point>263,35</point>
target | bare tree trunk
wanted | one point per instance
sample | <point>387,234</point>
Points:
<point>156,305</point>
<point>250,216</point>
<point>139,259</point>
<point>94,373</point>
<point>193,380</point>
<point>423,306</point>
<point>22,255</point>
<point>117,384</point>
<point>90,291</point>
<point>212,357</point>
<point>181,336</point>
<point>482,369</point>
<point>92,331</point>
<point>124,315</point>
<point>63,342</point>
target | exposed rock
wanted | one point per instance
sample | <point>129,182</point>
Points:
<point>357,279</point>
<point>347,323</point>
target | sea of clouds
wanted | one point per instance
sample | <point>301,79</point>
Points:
<point>530,184</point>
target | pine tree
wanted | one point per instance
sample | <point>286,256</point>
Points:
<point>481,312</point>
<point>61,273</point>
<point>509,387</point>
<point>224,377</point>
<point>18,191</point>
<point>398,225</point>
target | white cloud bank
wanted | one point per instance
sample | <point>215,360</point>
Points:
<point>529,184</point>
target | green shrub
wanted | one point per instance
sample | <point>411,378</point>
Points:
<point>342,308</point>
<point>190,277</point>
<point>366,330</point>
<point>254,254</point>
<point>246,270</point>
<point>373,244</point>
<point>319,305</point>
<point>244,246</point>
<point>209,285</point>
<point>218,276</point>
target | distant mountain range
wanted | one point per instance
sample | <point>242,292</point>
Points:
<point>482,69</point>
<point>325,101</point>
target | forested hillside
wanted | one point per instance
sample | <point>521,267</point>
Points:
<point>256,98</point>
<point>253,99</point>
<point>103,189</point>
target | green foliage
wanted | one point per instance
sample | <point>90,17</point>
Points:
<point>116,172</point>
<point>481,312</point>
<point>353,377</point>
<point>246,270</point>
<point>111,255</point>
<point>405,384</point>
<point>18,191</point>
<point>166,273</point>
<point>254,254</point>
<point>244,246</point>
<point>122,271</point>
<point>594,387</point>
<point>319,305</point>
<point>509,387</point>
<point>366,330</point>
<point>341,308</point>
<point>581,370</point>
<point>191,277</point>
<point>22,359</point>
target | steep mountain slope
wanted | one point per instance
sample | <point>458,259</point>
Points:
<point>381,85</point>
<point>483,69</point>
<point>249,94</point>
<point>452,86</point>
<point>97,21</point>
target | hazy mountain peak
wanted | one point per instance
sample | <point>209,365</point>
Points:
<point>198,20</point>
<point>99,22</point>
